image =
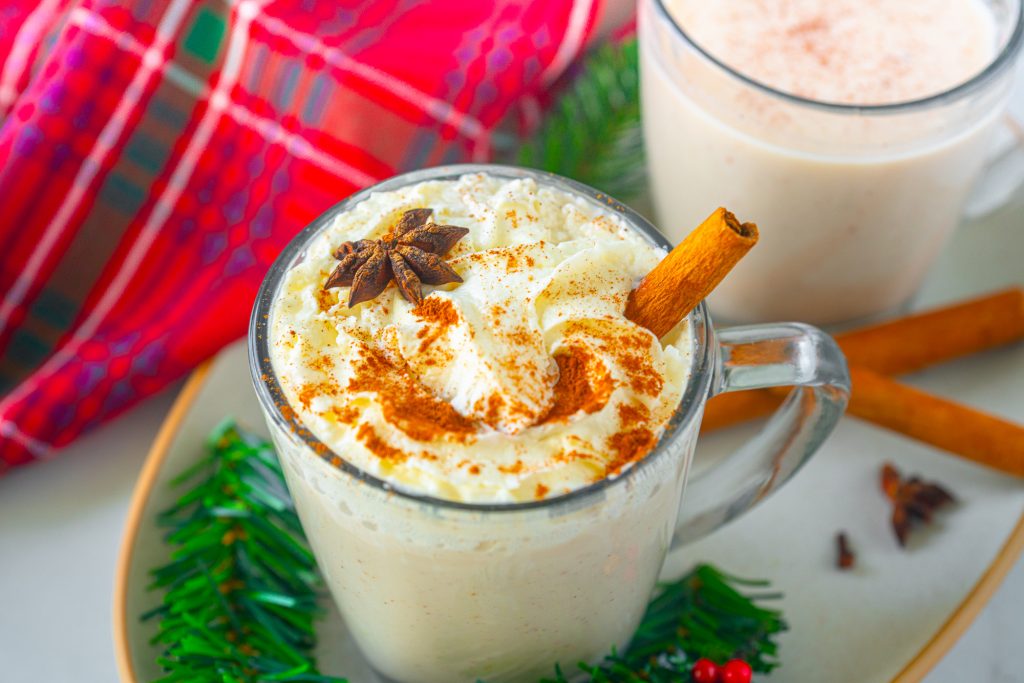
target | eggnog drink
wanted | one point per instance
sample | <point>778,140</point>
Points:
<point>519,385</point>
<point>852,129</point>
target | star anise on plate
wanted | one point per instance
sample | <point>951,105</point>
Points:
<point>913,500</point>
<point>410,254</point>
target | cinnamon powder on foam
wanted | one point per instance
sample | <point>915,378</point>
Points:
<point>583,384</point>
<point>405,402</point>
<point>634,441</point>
<point>438,311</point>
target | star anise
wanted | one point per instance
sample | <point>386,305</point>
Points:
<point>913,500</point>
<point>410,254</point>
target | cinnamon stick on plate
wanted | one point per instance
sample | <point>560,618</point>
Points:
<point>906,345</point>
<point>951,426</point>
<point>900,346</point>
<point>914,342</point>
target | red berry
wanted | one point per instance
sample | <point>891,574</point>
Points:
<point>704,671</point>
<point>735,671</point>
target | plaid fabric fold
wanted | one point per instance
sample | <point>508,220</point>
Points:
<point>156,155</point>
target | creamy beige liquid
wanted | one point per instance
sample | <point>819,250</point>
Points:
<point>852,208</point>
<point>849,51</point>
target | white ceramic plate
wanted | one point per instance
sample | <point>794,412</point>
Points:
<point>891,619</point>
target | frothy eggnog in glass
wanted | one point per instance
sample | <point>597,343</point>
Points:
<point>488,455</point>
<point>852,129</point>
<point>521,383</point>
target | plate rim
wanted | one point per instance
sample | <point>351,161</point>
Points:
<point>915,670</point>
<point>143,487</point>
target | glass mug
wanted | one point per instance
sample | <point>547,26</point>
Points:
<point>854,203</point>
<point>437,591</point>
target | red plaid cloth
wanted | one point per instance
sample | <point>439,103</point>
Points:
<point>155,156</point>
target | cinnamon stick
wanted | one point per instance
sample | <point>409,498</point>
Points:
<point>689,272</point>
<point>917,341</point>
<point>945,424</point>
<point>900,346</point>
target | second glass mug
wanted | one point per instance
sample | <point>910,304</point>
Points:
<point>854,203</point>
<point>437,591</point>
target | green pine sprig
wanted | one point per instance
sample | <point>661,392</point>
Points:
<point>703,614</point>
<point>241,589</point>
<point>592,131</point>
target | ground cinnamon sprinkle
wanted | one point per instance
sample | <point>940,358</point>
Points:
<point>633,414</point>
<point>494,405</point>
<point>583,384</point>
<point>345,414</point>
<point>286,410</point>
<point>326,299</point>
<point>514,468</point>
<point>519,336</point>
<point>310,391</point>
<point>572,456</point>
<point>633,351</point>
<point>405,402</point>
<point>378,446</point>
<point>627,447</point>
<point>438,311</point>
<point>323,363</point>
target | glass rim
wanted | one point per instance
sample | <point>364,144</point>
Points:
<point>1000,63</point>
<point>272,397</point>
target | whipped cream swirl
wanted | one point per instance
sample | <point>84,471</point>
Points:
<point>523,382</point>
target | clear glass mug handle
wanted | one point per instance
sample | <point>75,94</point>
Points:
<point>755,357</point>
<point>1003,173</point>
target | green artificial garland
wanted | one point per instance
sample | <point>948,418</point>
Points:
<point>241,591</point>
<point>592,131</point>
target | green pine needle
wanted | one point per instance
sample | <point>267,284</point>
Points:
<point>703,614</point>
<point>241,589</point>
<point>592,132</point>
